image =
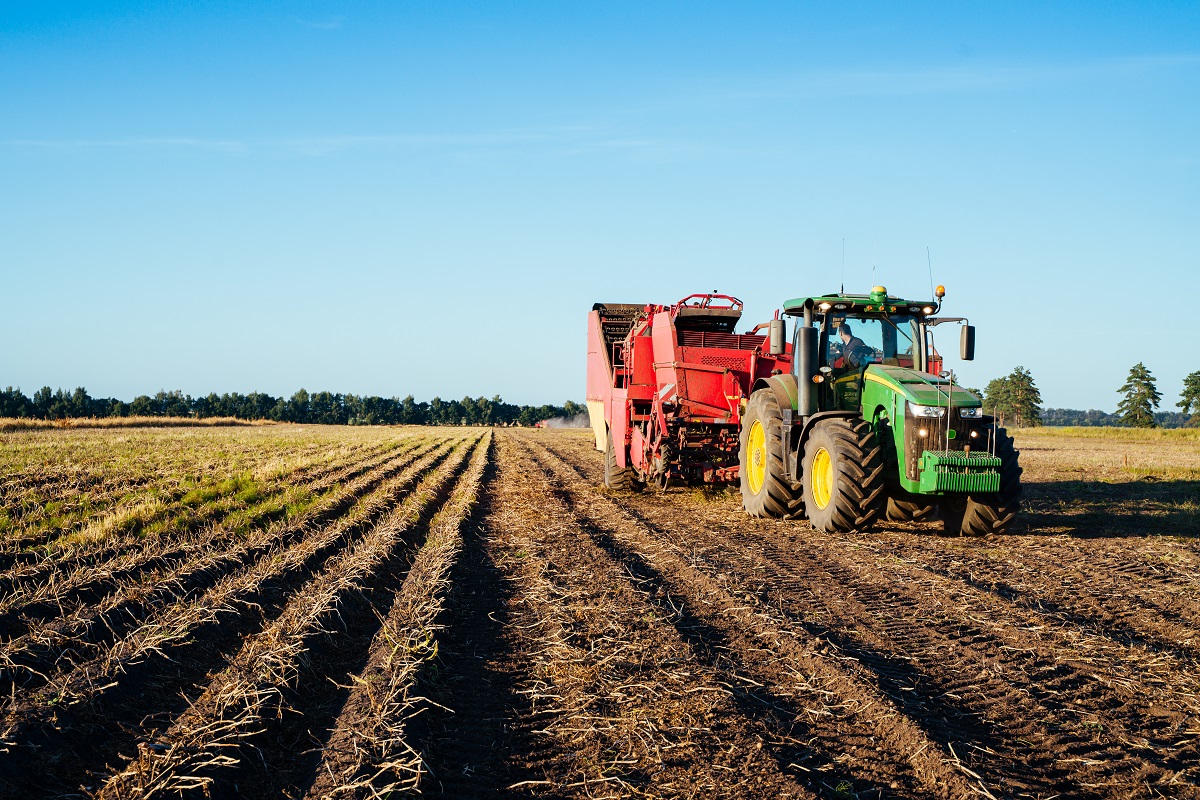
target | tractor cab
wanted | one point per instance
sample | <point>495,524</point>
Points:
<point>854,331</point>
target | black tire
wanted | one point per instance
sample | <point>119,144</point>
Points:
<point>951,512</point>
<point>620,479</point>
<point>856,491</point>
<point>905,507</point>
<point>994,513</point>
<point>774,495</point>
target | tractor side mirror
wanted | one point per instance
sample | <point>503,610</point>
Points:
<point>775,341</point>
<point>966,343</point>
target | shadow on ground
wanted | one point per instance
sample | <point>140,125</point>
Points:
<point>1096,509</point>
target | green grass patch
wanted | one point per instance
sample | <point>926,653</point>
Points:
<point>1165,473</point>
<point>244,487</point>
<point>1121,434</point>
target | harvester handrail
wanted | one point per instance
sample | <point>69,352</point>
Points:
<point>707,301</point>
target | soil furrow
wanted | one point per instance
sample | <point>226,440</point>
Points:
<point>76,636</point>
<point>978,692</point>
<point>26,554</point>
<point>927,645</point>
<point>620,702</point>
<point>370,751</point>
<point>848,726</point>
<point>122,553</point>
<point>215,737</point>
<point>149,672</point>
<point>1072,588</point>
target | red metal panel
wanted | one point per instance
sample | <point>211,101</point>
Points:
<point>618,421</point>
<point>643,361</point>
<point>665,352</point>
<point>599,376</point>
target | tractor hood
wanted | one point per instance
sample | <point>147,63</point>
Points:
<point>921,388</point>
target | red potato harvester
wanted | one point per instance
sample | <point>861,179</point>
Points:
<point>671,383</point>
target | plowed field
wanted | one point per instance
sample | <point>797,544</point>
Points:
<point>321,612</point>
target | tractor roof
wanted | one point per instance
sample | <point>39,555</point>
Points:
<point>877,301</point>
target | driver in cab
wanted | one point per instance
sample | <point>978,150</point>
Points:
<point>855,352</point>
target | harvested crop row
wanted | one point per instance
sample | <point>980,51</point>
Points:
<point>847,725</point>
<point>369,752</point>
<point>78,634</point>
<point>1031,707</point>
<point>131,484</point>
<point>207,738</point>
<point>67,704</point>
<point>134,482</point>
<point>1139,606</point>
<point>84,577</point>
<point>123,527</point>
<point>981,683</point>
<point>620,700</point>
<point>157,511</point>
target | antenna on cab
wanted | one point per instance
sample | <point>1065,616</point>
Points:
<point>929,264</point>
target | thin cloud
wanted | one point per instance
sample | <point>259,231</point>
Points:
<point>568,139</point>
<point>973,78</point>
<point>228,146</point>
<point>326,145</point>
<point>331,24</point>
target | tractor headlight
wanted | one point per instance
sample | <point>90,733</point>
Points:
<point>927,411</point>
<point>971,413</point>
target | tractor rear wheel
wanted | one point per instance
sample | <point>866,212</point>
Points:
<point>994,513</point>
<point>620,478</point>
<point>843,476</point>
<point>766,491</point>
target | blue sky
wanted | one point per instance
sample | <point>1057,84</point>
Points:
<point>426,198</point>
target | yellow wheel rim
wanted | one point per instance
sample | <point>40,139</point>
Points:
<point>756,457</point>
<point>822,478</point>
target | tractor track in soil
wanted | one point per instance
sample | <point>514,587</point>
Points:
<point>828,725</point>
<point>1056,708</point>
<point>71,730</point>
<point>620,696</point>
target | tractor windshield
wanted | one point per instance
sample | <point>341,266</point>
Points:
<point>851,343</point>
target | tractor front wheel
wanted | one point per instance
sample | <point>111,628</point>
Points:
<point>843,476</point>
<point>905,507</point>
<point>766,491</point>
<point>620,478</point>
<point>980,515</point>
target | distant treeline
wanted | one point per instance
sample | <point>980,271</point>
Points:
<point>324,408</point>
<point>1100,419</point>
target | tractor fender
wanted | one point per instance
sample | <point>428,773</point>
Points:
<point>783,386</point>
<point>806,429</point>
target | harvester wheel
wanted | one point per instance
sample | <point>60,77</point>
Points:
<point>843,476</point>
<point>991,513</point>
<point>765,490</point>
<point>904,507</point>
<point>621,479</point>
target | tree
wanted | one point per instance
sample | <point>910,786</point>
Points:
<point>43,398</point>
<point>1189,398</point>
<point>1014,399</point>
<point>14,403</point>
<point>1141,398</point>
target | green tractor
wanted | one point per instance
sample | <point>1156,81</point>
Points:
<point>868,424</point>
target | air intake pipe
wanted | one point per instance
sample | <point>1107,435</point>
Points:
<point>806,368</point>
